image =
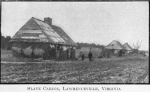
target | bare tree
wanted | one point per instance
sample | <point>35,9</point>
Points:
<point>137,46</point>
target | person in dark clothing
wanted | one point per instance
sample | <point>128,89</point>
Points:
<point>90,56</point>
<point>82,56</point>
<point>120,53</point>
<point>72,54</point>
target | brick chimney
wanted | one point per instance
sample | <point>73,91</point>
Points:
<point>48,20</point>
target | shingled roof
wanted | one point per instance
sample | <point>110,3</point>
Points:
<point>127,46</point>
<point>36,30</point>
<point>114,45</point>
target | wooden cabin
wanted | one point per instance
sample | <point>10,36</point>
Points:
<point>42,39</point>
<point>114,49</point>
<point>128,48</point>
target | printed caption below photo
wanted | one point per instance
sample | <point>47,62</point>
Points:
<point>65,88</point>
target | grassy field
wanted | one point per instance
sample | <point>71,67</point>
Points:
<point>113,70</point>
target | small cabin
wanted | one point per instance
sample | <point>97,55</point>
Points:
<point>42,39</point>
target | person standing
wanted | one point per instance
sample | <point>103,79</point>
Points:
<point>90,56</point>
<point>72,54</point>
<point>82,56</point>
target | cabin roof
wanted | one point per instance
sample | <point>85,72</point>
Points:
<point>36,30</point>
<point>127,46</point>
<point>114,45</point>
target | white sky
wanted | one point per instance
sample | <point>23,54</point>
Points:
<point>92,22</point>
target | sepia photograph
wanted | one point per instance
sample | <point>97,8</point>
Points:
<point>75,42</point>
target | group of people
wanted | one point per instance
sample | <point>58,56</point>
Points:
<point>89,56</point>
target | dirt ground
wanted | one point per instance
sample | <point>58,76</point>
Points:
<point>131,69</point>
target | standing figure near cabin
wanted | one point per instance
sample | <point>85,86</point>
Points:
<point>57,52</point>
<point>68,53</point>
<point>120,53</point>
<point>90,56</point>
<point>72,54</point>
<point>82,55</point>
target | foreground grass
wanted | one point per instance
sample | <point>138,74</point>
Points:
<point>115,70</point>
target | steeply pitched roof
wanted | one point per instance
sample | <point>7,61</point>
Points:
<point>127,46</point>
<point>36,30</point>
<point>114,45</point>
<point>63,35</point>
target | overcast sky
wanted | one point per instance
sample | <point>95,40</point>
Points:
<point>92,22</point>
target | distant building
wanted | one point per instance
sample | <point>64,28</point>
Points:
<point>115,48</point>
<point>127,48</point>
<point>39,38</point>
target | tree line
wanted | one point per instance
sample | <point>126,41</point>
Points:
<point>91,45</point>
<point>5,42</point>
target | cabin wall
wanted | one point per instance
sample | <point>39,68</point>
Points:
<point>46,51</point>
<point>118,53</point>
<point>29,49</point>
<point>66,53</point>
<point>127,52</point>
<point>108,53</point>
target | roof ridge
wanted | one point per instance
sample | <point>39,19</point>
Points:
<point>125,43</point>
<point>115,40</point>
<point>38,19</point>
<point>116,43</point>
